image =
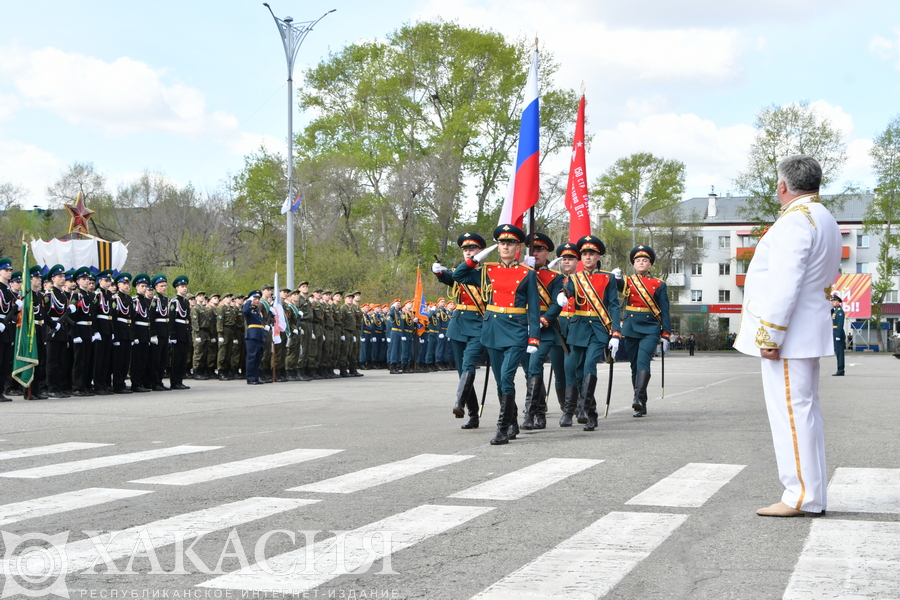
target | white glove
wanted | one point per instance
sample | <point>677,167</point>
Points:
<point>421,341</point>
<point>382,339</point>
<point>134,342</point>
<point>403,338</point>
<point>389,340</point>
<point>58,326</point>
<point>3,327</point>
<point>613,345</point>
<point>96,337</point>
<point>235,342</point>
<point>554,262</point>
<point>436,268</point>
<point>529,261</point>
<point>19,303</point>
<point>343,338</point>
<point>665,345</point>
<point>71,308</point>
<point>296,332</point>
<point>354,339</point>
<point>373,340</point>
<point>221,340</point>
<point>154,340</point>
<point>481,255</point>
<point>562,299</point>
<point>531,349</point>
<point>173,341</point>
<point>395,305</point>
<point>617,272</point>
<point>77,340</point>
<point>197,340</point>
<point>113,337</point>
<point>267,328</point>
<point>440,336</point>
<point>313,336</point>
<point>117,343</point>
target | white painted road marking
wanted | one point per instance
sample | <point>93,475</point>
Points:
<point>51,505</point>
<point>54,449</point>
<point>865,490</point>
<point>361,547</point>
<point>84,553</point>
<point>690,486</point>
<point>590,563</point>
<point>373,476</point>
<point>848,559</point>
<point>104,461</point>
<point>523,482</point>
<point>240,467</point>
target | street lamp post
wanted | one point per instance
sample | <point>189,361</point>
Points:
<point>292,36</point>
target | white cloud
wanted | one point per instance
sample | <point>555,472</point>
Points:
<point>30,167</point>
<point>8,105</point>
<point>122,97</point>
<point>838,117</point>
<point>858,169</point>
<point>887,49</point>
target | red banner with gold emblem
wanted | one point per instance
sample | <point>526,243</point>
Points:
<point>856,294</point>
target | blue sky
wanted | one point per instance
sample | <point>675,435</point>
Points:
<point>188,88</point>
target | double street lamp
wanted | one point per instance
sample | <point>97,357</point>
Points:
<point>292,36</point>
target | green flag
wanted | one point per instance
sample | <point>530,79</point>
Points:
<point>26,353</point>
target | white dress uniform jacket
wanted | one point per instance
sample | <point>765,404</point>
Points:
<point>788,287</point>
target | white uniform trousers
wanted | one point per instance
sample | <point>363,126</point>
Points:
<point>791,388</point>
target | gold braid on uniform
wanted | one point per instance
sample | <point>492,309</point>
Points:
<point>487,289</point>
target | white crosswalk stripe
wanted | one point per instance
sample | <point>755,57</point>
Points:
<point>374,476</point>
<point>240,467</point>
<point>78,466</point>
<point>690,486</point>
<point>307,568</point>
<point>865,490</point>
<point>116,545</point>
<point>52,449</point>
<point>847,559</point>
<point>523,482</point>
<point>590,563</point>
<point>51,505</point>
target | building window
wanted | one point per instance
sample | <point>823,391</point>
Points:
<point>697,269</point>
<point>746,241</point>
<point>862,267</point>
<point>724,268</point>
<point>891,297</point>
<point>724,295</point>
<point>696,295</point>
<point>698,241</point>
<point>676,266</point>
<point>724,241</point>
<point>742,266</point>
<point>862,241</point>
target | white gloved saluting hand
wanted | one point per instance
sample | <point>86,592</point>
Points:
<point>481,255</point>
<point>437,268</point>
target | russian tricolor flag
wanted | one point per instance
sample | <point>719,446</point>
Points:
<point>524,185</point>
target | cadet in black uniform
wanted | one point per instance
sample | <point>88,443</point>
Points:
<point>179,332</point>
<point>122,313</point>
<point>159,332</point>
<point>141,367</point>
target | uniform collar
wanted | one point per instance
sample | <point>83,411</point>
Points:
<point>804,199</point>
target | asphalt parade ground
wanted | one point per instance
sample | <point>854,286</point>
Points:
<point>368,488</point>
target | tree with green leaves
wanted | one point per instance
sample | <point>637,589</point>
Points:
<point>783,131</point>
<point>883,216</point>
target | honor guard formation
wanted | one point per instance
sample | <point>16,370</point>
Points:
<point>568,311</point>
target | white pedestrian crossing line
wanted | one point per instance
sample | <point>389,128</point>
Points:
<point>309,567</point>
<point>83,554</point>
<point>847,559</point>
<point>51,505</point>
<point>590,563</point>
<point>865,490</point>
<point>690,486</point>
<point>373,476</point>
<point>78,466</point>
<point>240,467</point>
<point>523,482</point>
<point>53,449</point>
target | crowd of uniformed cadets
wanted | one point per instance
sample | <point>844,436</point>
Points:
<point>95,332</point>
<point>569,312</point>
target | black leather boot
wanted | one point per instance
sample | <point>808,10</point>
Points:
<point>639,404</point>
<point>590,402</point>
<point>539,405</point>
<point>471,400</point>
<point>466,381</point>
<point>502,435</point>
<point>530,384</point>
<point>582,414</point>
<point>512,417</point>
<point>561,397</point>
<point>569,409</point>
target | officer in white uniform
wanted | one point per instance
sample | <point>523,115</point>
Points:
<point>786,319</point>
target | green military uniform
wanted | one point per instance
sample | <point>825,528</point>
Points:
<point>265,364</point>
<point>328,346</point>
<point>238,330</point>
<point>304,316</point>
<point>225,331</point>
<point>200,316</point>
<point>318,336</point>
<point>212,351</point>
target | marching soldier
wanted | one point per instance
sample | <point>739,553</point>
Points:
<point>180,333</point>
<point>225,332</point>
<point>511,326</point>
<point>159,332</point>
<point>212,351</point>
<point>141,363</point>
<point>567,254</point>
<point>122,311</point>
<point>58,323</point>
<point>80,307</point>
<point>199,336</point>
<point>646,319</point>
<point>103,326</point>
<point>594,327</point>
<point>549,284</point>
<point>464,329</point>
